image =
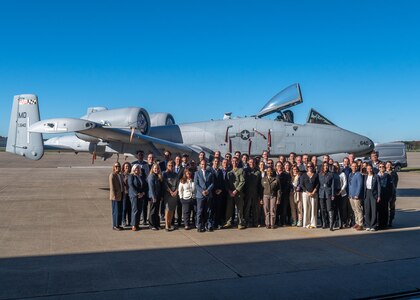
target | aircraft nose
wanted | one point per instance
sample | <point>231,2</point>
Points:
<point>371,145</point>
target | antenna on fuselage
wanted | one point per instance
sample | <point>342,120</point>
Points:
<point>227,116</point>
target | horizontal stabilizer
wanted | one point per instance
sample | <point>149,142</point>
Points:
<point>61,125</point>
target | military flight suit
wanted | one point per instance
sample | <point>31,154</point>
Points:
<point>235,181</point>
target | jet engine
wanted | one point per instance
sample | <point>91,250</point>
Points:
<point>161,119</point>
<point>128,117</point>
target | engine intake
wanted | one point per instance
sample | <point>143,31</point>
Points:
<point>129,117</point>
<point>162,119</point>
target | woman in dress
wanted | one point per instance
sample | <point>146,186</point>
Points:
<point>170,194</point>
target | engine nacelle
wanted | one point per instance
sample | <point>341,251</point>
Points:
<point>161,119</point>
<point>99,151</point>
<point>128,117</point>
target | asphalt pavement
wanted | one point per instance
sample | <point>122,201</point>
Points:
<point>57,242</point>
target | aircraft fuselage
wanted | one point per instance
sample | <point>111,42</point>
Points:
<point>253,135</point>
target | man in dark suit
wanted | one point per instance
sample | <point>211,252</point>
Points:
<point>167,154</point>
<point>285,180</point>
<point>203,182</point>
<point>140,161</point>
<point>145,169</point>
<point>179,170</point>
<point>218,194</point>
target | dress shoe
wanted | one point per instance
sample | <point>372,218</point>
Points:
<point>134,228</point>
<point>117,228</point>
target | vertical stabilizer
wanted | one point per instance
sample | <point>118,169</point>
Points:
<point>20,141</point>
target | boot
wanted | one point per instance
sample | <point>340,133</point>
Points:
<point>324,220</point>
<point>331,216</point>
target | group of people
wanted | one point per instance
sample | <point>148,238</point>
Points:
<point>242,191</point>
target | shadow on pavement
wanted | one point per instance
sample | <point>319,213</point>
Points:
<point>410,192</point>
<point>70,274</point>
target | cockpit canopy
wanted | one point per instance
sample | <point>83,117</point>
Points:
<point>288,97</point>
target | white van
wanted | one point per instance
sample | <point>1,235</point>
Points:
<point>395,152</point>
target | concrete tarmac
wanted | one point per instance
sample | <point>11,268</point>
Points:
<point>57,242</point>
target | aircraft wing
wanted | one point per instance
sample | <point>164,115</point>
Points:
<point>145,142</point>
<point>121,140</point>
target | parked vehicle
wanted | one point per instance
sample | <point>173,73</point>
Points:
<point>395,152</point>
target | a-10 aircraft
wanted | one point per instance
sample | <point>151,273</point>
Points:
<point>104,132</point>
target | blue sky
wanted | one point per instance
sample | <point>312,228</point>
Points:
<point>358,62</point>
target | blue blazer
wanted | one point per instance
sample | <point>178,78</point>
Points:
<point>155,187</point>
<point>355,183</point>
<point>136,184</point>
<point>202,183</point>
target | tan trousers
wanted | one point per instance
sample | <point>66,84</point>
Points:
<point>310,210</point>
<point>296,208</point>
<point>358,211</point>
<point>270,207</point>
